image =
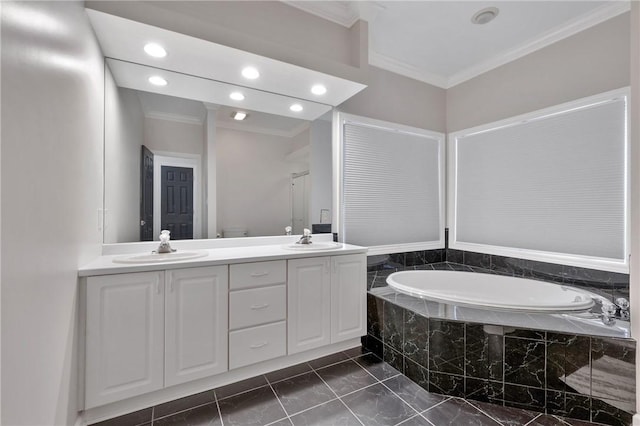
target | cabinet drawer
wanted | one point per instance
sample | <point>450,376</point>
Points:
<point>257,344</point>
<point>257,306</point>
<point>258,274</point>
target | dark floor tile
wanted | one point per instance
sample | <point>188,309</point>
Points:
<point>239,387</point>
<point>377,405</point>
<point>412,394</point>
<point>346,377</point>
<point>302,392</point>
<point>416,420</point>
<point>376,366</point>
<point>415,343</point>
<point>285,373</point>
<point>356,352</point>
<point>508,416</point>
<point>328,360</point>
<point>546,420</point>
<point>282,422</point>
<point>131,419</point>
<point>203,415</point>
<point>333,413</point>
<point>457,412</point>
<point>257,407</point>
<point>182,404</point>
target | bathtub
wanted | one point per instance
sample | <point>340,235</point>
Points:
<point>491,291</point>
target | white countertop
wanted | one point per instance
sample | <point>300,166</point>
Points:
<point>104,265</point>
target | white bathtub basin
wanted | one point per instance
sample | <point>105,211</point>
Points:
<point>313,246</point>
<point>160,257</point>
<point>490,291</point>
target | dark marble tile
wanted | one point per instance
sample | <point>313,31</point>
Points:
<point>416,343</point>
<point>613,370</point>
<point>446,384</point>
<point>412,394</point>
<point>568,363</point>
<point>301,392</point>
<point>483,353</point>
<point>381,278</point>
<point>356,352</point>
<point>374,316</point>
<point>385,262</point>
<point>131,419</point>
<point>414,258</point>
<point>524,362</point>
<point>546,420</point>
<point>330,413</point>
<point>392,325</point>
<point>239,387</point>
<point>524,397</point>
<point>511,266</point>
<point>328,360</point>
<point>483,390</point>
<point>444,266</point>
<point>508,416</point>
<point>182,404</point>
<point>434,256</point>
<point>459,267</point>
<point>398,260</point>
<point>285,373</point>
<point>203,415</point>
<point>457,412</point>
<point>393,358</point>
<point>417,374</point>
<point>376,366</point>
<point>281,422</point>
<point>346,377</point>
<point>543,271</point>
<point>569,405</point>
<point>525,333</point>
<point>481,260</point>
<point>377,405</point>
<point>446,347</point>
<point>454,256</point>
<point>416,420</point>
<point>374,345</point>
<point>257,407</point>
<point>371,277</point>
<point>574,422</point>
<point>584,277</point>
<point>608,412</point>
<point>423,268</point>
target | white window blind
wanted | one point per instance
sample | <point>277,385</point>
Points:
<point>553,183</point>
<point>392,186</point>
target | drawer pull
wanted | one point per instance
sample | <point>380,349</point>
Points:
<point>256,307</point>
<point>259,345</point>
<point>259,274</point>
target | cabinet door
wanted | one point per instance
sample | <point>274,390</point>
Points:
<point>124,336</point>
<point>309,310</point>
<point>196,323</point>
<point>348,297</point>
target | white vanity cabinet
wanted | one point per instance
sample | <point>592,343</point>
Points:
<point>326,301</point>
<point>149,330</point>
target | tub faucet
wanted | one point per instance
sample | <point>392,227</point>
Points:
<point>164,246</point>
<point>306,237</point>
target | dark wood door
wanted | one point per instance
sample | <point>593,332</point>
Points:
<point>146,195</point>
<point>177,201</point>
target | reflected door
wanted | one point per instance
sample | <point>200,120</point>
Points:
<point>300,189</point>
<point>146,195</point>
<point>177,201</point>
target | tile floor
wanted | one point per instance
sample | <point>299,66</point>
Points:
<point>347,388</point>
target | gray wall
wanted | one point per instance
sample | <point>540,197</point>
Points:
<point>590,62</point>
<point>51,173</point>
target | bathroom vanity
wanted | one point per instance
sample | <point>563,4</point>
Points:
<point>157,331</point>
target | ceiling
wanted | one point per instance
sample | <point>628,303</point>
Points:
<point>435,41</point>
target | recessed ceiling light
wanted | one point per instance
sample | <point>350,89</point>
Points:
<point>318,89</point>
<point>237,96</point>
<point>485,16</point>
<point>251,73</point>
<point>155,50</point>
<point>296,108</point>
<point>156,80</point>
<point>239,115</point>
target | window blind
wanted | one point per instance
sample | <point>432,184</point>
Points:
<point>555,182</point>
<point>392,186</point>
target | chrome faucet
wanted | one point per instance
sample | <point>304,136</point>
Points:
<point>306,237</point>
<point>164,246</point>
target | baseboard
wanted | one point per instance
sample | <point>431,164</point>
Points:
<point>636,419</point>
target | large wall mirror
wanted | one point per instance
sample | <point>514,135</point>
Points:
<point>177,157</point>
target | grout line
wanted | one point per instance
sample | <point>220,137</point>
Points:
<point>215,397</point>
<point>410,418</point>
<point>483,412</point>
<point>400,398</point>
<point>187,409</point>
<point>289,377</point>
<point>278,399</point>
<point>531,421</point>
<point>244,391</point>
<point>346,406</point>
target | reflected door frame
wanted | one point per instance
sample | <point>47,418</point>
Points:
<point>175,159</point>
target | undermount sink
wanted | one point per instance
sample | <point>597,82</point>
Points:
<point>313,246</point>
<point>160,257</point>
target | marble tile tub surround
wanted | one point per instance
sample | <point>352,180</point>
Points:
<point>580,377</point>
<point>353,387</point>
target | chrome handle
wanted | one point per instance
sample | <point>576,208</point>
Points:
<point>259,345</point>
<point>256,307</point>
<point>259,274</point>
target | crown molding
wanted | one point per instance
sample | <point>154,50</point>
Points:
<point>402,68</point>
<point>173,117</point>
<point>244,127</point>
<point>338,12</point>
<point>568,29</point>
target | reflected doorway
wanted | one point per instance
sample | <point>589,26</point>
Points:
<point>300,190</point>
